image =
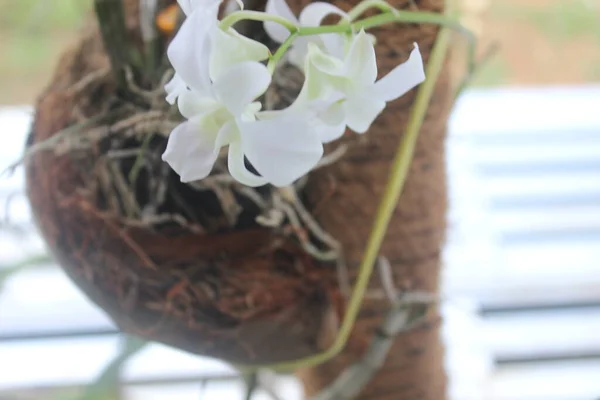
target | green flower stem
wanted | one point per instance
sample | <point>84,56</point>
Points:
<point>381,5</point>
<point>281,51</point>
<point>413,17</point>
<point>238,16</point>
<point>391,16</point>
<point>399,172</point>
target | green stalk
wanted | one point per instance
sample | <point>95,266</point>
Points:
<point>365,5</point>
<point>238,16</point>
<point>272,64</point>
<point>399,171</point>
<point>391,16</point>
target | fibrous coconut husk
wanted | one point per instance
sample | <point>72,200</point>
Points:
<point>243,292</point>
<point>192,278</point>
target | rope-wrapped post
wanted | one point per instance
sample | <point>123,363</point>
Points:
<point>348,193</point>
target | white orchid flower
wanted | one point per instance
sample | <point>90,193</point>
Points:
<point>322,102</point>
<point>198,34</point>
<point>188,6</point>
<point>355,77</point>
<point>311,15</point>
<point>222,77</point>
<point>281,148</point>
<point>207,17</point>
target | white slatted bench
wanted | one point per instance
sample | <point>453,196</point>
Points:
<point>521,278</point>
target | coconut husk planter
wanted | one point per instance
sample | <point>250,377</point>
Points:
<point>190,266</point>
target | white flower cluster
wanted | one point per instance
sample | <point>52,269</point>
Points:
<point>219,74</point>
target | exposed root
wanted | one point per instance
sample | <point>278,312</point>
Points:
<point>84,84</point>
<point>408,311</point>
<point>118,152</point>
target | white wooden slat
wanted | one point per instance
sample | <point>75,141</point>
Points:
<point>78,361</point>
<point>223,390</point>
<point>44,301</point>
<point>550,261</point>
<point>193,391</point>
<point>542,186</point>
<point>182,391</point>
<point>15,248</point>
<point>48,362</point>
<point>160,361</point>
<point>217,390</point>
<point>528,274</point>
<point>531,334</point>
<point>468,360</point>
<point>537,110</point>
<point>14,127</point>
<point>15,209</point>
<point>481,267</point>
<point>575,380</point>
<point>531,295</point>
<point>543,152</point>
<point>555,219</point>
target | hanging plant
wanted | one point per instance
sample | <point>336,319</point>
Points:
<point>210,177</point>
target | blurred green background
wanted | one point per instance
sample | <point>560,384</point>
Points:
<point>541,41</point>
<point>32,35</point>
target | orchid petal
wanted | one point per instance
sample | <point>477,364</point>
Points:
<point>281,149</point>
<point>193,105</point>
<point>323,62</point>
<point>329,133</point>
<point>316,85</point>
<point>240,84</point>
<point>189,6</point>
<point>296,55</point>
<point>229,133</point>
<point>333,123</point>
<point>188,52</point>
<point>250,111</point>
<point>280,8</point>
<point>237,167</point>
<point>232,48</point>
<point>360,62</point>
<point>314,13</point>
<point>334,44</point>
<point>186,6</point>
<point>402,78</point>
<point>362,111</point>
<point>175,88</point>
<point>192,149</point>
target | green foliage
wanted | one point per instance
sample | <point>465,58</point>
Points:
<point>26,53</point>
<point>593,74</point>
<point>560,20</point>
<point>37,16</point>
<point>32,34</point>
<point>494,72</point>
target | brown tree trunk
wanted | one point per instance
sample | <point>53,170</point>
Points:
<point>348,194</point>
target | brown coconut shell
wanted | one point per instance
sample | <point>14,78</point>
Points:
<point>246,296</point>
<point>253,295</point>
